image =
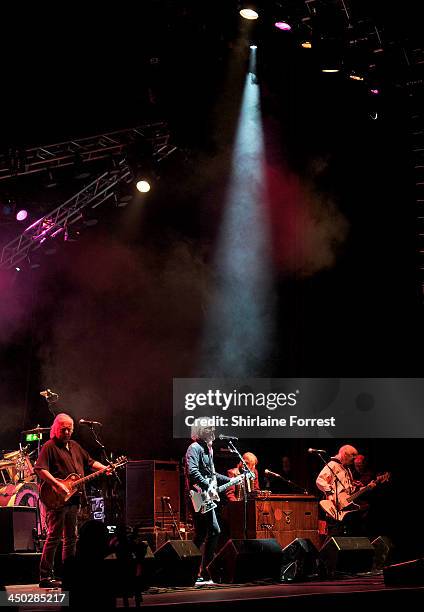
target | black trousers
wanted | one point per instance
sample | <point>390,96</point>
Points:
<point>207,531</point>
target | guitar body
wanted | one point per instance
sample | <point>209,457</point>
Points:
<point>52,499</point>
<point>204,501</point>
<point>345,501</point>
<point>201,502</point>
<point>338,514</point>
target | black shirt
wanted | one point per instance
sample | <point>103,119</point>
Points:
<point>60,462</point>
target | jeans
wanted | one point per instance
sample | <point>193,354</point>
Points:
<point>207,532</point>
<point>61,523</point>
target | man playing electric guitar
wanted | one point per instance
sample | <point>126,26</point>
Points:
<point>334,480</point>
<point>199,469</point>
<point>59,457</point>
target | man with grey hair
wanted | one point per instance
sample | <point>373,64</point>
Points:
<point>59,457</point>
<point>337,476</point>
<point>199,468</point>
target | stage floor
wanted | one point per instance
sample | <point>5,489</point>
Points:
<point>359,590</point>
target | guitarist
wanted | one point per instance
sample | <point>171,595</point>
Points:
<point>59,457</point>
<point>336,477</point>
<point>198,467</point>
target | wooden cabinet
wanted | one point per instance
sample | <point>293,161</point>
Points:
<point>283,517</point>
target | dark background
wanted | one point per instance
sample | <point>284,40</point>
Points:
<point>109,320</point>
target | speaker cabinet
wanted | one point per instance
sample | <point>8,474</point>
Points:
<point>403,574</point>
<point>147,483</point>
<point>16,528</point>
<point>241,561</point>
<point>347,555</point>
<point>299,561</point>
<point>178,563</point>
<point>383,547</point>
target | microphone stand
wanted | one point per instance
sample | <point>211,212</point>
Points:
<point>291,483</point>
<point>246,470</point>
<point>171,512</point>
<point>108,461</point>
<point>336,480</point>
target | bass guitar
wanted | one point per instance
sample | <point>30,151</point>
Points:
<point>345,501</point>
<point>54,499</point>
<point>204,501</point>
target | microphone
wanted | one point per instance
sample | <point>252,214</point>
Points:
<point>48,393</point>
<point>222,437</point>
<point>85,422</point>
<point>316,450</point>
<point>269,473</point>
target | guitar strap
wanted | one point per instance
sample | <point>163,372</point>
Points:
<point>210,449</point>
<point>346,470</point>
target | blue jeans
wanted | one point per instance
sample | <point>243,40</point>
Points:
<point>61,524</point>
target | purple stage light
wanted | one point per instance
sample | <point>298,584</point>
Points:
<point>283,25</point>
<point>375,92</point>
<point>21,215</point>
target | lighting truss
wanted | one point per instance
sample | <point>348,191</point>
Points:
<point>61,218</point>
<point>38,159</point>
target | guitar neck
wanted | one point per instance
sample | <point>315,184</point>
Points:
<point>358,493</point>
<point>226,485</point>
<point>90,476</point>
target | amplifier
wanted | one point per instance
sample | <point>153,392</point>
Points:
<point>147,484</point>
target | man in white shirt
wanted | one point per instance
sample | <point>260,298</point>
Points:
<point>335,478</point>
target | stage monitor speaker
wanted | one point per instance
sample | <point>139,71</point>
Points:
<point>300,561</point>
<point>407,573</point>
<point>383,547</point>
<point>178,563</point>
<point>241,561</point>
<point>349,555</point>
<point>16,528</point>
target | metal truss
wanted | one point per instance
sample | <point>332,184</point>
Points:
<point>102,146</point>
<point>59,220</point>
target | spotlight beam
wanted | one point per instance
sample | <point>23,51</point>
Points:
<point>240,318</point>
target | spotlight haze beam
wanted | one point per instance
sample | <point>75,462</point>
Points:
<point>240,316</point>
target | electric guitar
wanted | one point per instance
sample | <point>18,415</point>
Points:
<point>54,499</point>
<point>204,501</point>
<point>345,501</point>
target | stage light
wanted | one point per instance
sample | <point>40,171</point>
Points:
<point>253,46</point>
<point>330,70</point>
<point>283,25</point>
<point>306,44</point>
<point>248,13</point>
<point>375,92</point>
<point>143,186</point>
<point>356,77</point>
<point>21,215</point>
<point>17,269</point>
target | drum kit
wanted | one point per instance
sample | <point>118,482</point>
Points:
<point>18,481</point>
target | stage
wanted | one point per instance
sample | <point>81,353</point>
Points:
<point>358,590</point>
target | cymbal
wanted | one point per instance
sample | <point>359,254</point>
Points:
<point>36,430</point>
